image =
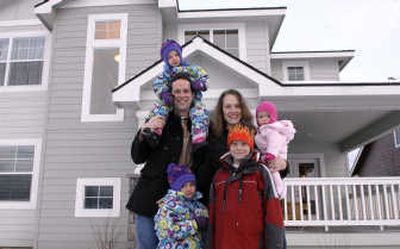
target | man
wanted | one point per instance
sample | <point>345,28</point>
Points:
<point>174,146</point>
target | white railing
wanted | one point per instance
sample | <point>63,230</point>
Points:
<point>333,201</point>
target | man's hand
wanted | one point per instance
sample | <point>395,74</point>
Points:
<point>277,164</point>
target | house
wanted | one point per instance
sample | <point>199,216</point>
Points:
<point>380,157</point>
<point>75,83</point>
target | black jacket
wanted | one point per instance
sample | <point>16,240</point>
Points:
<point>153,184</point>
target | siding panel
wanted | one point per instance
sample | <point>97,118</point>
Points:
<point>94,149</point>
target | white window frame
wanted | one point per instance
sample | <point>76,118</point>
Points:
<point>396,133</point>
<point>213,26</point>
<point>46,55</point>
<point>304,64</point>
<point>31,204</point>
<point>80,211</point>
<point>91,44</point>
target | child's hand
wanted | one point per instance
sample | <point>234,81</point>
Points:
<point>277,164</point>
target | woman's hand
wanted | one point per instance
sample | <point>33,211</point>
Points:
<point>277,164</point>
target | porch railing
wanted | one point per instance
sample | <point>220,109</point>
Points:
<point>332,201</point>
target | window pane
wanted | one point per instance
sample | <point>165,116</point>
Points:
<point>27,48</point>
<point>25,73</point>
<point>106,191</point>
<point>15,187</point>
<point>106,203</point>
<point>219,38</point>
<point>7,165</point>
<point>3,49</point>
<point>2,73</point>
<point>232,39</point>
<point>91,191</point>
<point>397,137</point>
<point>203,33</point>
<point>108,29</point>
<point>7,158</point>
<point>91,203</point>
<point>295,73</point>
<point>16,158</point>
<point>105,78</point>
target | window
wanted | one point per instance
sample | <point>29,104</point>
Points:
<point>397,137</point>
<point>104,66</point>
<point>98,197</point>
<point>223,38</point>
<point>19,163</point>
<point>21,60</point>
<point>228,36</point>
<point>295,73</point>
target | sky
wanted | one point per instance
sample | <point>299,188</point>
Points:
<point>370,27</point>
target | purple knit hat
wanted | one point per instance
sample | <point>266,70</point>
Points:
<point>168,46</point>
<point>179,175</point>
<point>268,107</point>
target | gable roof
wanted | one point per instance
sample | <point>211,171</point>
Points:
<point>196,44</point>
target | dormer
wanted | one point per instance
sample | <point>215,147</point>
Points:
<point>247,33</point>
<point>309,66</point>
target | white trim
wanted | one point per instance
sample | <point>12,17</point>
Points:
<point>31,204</point>
<point>231,13</point>
<point>304,64</point>
<point>131,91</point>
<point>22,22</point>
<point>92,3</point>
<point>241,27</point>
<point>90,45</point>
<point>327,54</point>
<point>46,64</point>
<point>396,133</point>
<point>80,211</point>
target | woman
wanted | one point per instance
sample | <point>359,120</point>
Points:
<point>230,110</point>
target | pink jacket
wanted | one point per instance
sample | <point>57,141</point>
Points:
<point>273,138</point>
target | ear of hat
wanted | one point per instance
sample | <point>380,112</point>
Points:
<point>179,175</point>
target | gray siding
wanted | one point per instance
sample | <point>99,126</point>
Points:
<point>258,46</point>
<point>23,116</point>
<point>321,69</point>
<point>16,9</point>
<point>94,149</point>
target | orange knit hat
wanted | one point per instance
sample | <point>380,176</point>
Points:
<point>242,133</point>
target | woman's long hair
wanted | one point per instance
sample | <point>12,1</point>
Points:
<point>218,122</point>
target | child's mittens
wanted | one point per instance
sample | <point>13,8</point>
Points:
<point>268,157</point>
<point>199,85</point>
<point>167,98</point>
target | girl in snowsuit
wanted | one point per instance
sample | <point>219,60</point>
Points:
<point>272,139</point>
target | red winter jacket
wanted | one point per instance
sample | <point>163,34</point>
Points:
<point>244,213</point>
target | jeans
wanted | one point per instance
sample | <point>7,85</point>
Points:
<point>145,234</point>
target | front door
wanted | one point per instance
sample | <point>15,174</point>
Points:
<point>302,167</point>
